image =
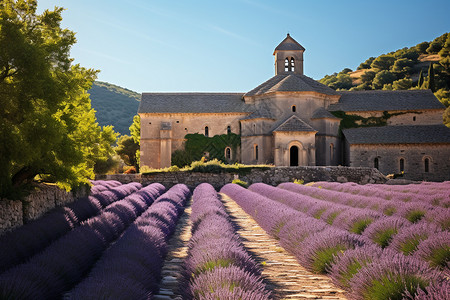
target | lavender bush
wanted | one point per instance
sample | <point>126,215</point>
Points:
<point>392,277</point>
<point>383,230</point>
<point>435,250</point>
<point>408,238</point>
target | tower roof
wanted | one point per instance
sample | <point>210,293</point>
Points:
<point>294,123</point>
<point>289,44</point>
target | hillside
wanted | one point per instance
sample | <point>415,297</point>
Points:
<point>114,105</point>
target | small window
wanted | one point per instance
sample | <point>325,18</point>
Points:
<point>426,163</point>
<point>150,123</point>
<point>185,129</point>
<point>376,163</point>
<point>414,118</point>
<point>256,152</point>
<point>228,129</point>
<point>206,131</point>
<point>228,153</point>
<point>402,165</point>
<point>294,108</point>
<point>178,121</point>
<point>286,65</point>
<point>292,64</point>
<point>254,128</point>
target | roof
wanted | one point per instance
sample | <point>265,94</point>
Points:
<point>261,113</point>
<point>378,100</point>
<point>192,103</point>
<point>322,113</point>
<point>294,123</point>
<point>291,82</point>
<point>405,134</point>
<point>289,44</point>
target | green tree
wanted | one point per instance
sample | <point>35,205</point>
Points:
<point>431,84</point>
<point>368,77</point>
<point>443,96</point>
<point>47,126</point>
<point>382,78</point>
<point>402,66</point>
<point>402,84</point>
<point>338,81</point>
<point>383,62</point>
<point>422,47</point>
<point>366,64</point>
<point>135,130</point>
<point>421,80</point>
<point>127,149</point>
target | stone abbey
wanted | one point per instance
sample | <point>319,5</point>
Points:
<point>292,120</point>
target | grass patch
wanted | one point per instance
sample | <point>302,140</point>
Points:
<point>325,257</point>
<point>240,182</point>
<point>359,226</point>
<point>393,288</point>
<point>383,238</point>
<point>415,215</point>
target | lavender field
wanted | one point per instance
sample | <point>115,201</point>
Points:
<point>373,241</point>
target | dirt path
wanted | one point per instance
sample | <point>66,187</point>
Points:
<point>281,272</point>
<point>172,268</point>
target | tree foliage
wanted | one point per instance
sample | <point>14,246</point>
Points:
<point>126,149</point>
<point>135,130</point>
<point>382,78</point>
<point>47,126</point>
<point>383,62</point>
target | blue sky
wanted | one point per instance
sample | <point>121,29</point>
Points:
<point>227,46</point>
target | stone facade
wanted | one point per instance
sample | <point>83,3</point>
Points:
<point>273,176</point>
<point>263,119</point>
<point>11,215</point>
<point>409,158</point>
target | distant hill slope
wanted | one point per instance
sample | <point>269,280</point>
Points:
<point>114,105</point>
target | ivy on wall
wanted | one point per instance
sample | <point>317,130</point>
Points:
<point>354,121</point>
<point>197,145</point>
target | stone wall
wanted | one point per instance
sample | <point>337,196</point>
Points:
<point>44,198</point>
<point>273,176</point>
<point>413,156</point>
<point>11,215</point>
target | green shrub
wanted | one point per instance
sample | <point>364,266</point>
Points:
<point>240,182</point>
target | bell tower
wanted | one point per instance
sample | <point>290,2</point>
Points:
<point>289,57</point>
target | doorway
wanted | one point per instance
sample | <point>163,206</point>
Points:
<point>293,156</point>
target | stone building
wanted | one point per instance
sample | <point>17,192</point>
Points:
<point>291,120</point>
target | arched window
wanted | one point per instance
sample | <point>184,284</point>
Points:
<point>402,165</point>
<point>256,152</point>
<point>294,108</point>
<point>331,153</point>
<point>254,128</point>
<point>292,64</point>
<point>228,153</point>
<point>376,163</point>
<point>414,118</point>
<point>286,65</point>
<point>206,131</point>
<point>228,129</point>
<point>426,164</point>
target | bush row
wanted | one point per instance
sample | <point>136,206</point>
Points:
<point>66,261</point>
<point>378,274</point>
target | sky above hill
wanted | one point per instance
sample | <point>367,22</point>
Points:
<point>227,46</point>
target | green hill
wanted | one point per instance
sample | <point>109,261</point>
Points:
<point>114,105</point>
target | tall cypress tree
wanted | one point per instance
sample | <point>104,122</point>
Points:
<point>431,84</point>
<point>420,82</point>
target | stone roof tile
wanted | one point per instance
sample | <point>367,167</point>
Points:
<point>290,82</point>
<point>294,123</point>
<point>405,134</point>
<point>192,103</point>
<point>289,44</point>
<point>322,113</point>
<point>378,100</point>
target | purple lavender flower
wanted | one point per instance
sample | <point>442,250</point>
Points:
<point>391,277</point>
<point>317,253</point>
<point>227,283</point>
<point>408,238</point>
<point>435,291</point>
<point>383,230</point>
<point>435,250</point>
<point>349,262</point>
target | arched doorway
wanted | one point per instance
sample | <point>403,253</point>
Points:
<point>293,156</point>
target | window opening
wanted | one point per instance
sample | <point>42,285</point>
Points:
<point>414,118</point>
<point>402,165</point>
<point>228,153</point>
<point>206,131</point>
<point>292,64</point>
<point>294,108</point>
<point>256,152</point>
<point>376,163</point>
<point>228,129</point>
<point>286,65</point>
<point>427,165</point>
<point>331,153</point>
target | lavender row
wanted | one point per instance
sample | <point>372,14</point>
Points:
<point>217,265</point>
<point>103,185</point>
<point>31,238</point>
<point>440,198</point>
<point>413,211</point>
<point>397,233</point>
<point>64,263</point>
<point>423,188</point>
<point>131,268</point>
<point>367,272</point>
